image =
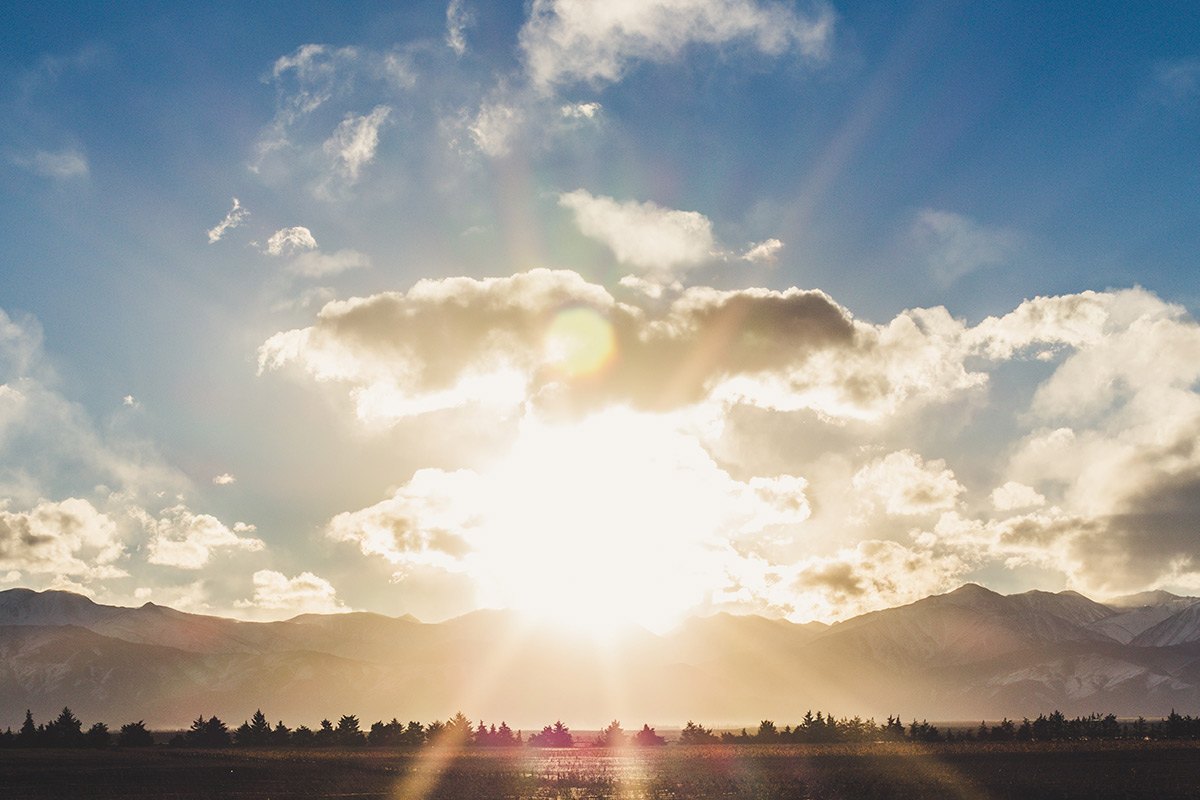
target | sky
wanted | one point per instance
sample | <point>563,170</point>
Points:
<point>608,312</point>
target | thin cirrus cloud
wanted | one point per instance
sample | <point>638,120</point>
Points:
<point>567,41</point>
<point>60,165</point>
<point>236,216</point>
<point>352,145</point>
<point>955,245</point>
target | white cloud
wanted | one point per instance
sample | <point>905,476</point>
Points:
<point>318,265</point>
<point>542,522</point>
<point>955,245</point>
<point>181,538</point>
<point>355,140</point>
<point>566,41</point>
<point>289,240</point>
<point>69,537</point>
<point>236,216</point>
<point>1013,495</point>
<point>657,241</point>
<point>494,127</point>
<point>765,251</point>
<point>61,165</point>
<point>458,19</point>
<point>580,110</point>
<point>908,485</point>
<point>304,594</point>
<point>224,479</point>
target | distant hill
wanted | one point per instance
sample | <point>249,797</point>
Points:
<point>968,654</point>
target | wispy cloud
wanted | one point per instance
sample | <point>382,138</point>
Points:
<point>60,165</point>
<point>458,19</point>
<point>955,245</point>
<point>236,216</point>
<point>353,144</point>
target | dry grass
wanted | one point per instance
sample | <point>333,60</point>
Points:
<point>746,772</point>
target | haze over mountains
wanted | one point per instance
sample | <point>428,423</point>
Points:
<point>968,654</point>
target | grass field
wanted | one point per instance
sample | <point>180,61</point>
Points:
<point>886,772</point>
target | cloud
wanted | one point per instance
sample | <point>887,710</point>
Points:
<point>1013,495</point>
<point>224,479</point>
<point>61,165</point>
<point>567,41</point>
<point>907,485</point>
<point>580,110</point>
<point>181,538</point>
<point>69,537</point>
<point>315,76</point>
<point>1177,83</point>
<point>353,143</point>
<point>236,216</point>
<point>304,594</point>
<point>289,240</point>
<point>1086,464</point>
<point>765,251</point>
<point>955,245</point>
<point>319,265</point>
<point>655,240</point>
<point>458,19</point>
<point>543,521</point>
<point>494,127</point>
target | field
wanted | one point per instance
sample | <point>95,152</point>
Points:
<point>887,772</point>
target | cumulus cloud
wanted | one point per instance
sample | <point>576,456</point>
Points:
<point>765,251</point>
<point>60,165</point>
<point>353,143</point>
<point>184,539</point>
<point>70,537</point>
<point>224,479</point>
<point>289,240</point>
<point>1086,465</point>
<point>907,485</point>
<point>236,216</point>
<point>544,520</point>
<point>566,41</point>
<point>655,240</point>
<point>1013,495</point>
<point>955,245</point>
<point>304,594</point>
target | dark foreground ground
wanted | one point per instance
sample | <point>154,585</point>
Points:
<point>884,772</point>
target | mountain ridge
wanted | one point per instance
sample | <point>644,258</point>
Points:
<point>967,653</point>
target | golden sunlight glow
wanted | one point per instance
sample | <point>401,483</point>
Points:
<point>580,341</point>
<point>601,523</point>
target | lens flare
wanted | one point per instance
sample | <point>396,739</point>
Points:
<point>580,341</point>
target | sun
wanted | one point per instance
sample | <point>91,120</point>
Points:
<point>597,524</point>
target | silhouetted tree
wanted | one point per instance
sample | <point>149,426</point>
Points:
<point>612,736</point>
<point>98,736</point>
<point>135,734</point>
<point>557,736</point>
<point>324,735</point>
<point>280,735</point>
<point>303,736</point>
<point>347,732</point>
<point>646,737</point>
<point>696,734</point>
<point>766,731</point>
<point>27,736</point>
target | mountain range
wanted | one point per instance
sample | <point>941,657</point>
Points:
<point>965,655</point>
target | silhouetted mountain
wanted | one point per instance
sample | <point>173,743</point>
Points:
<point>970,653</point>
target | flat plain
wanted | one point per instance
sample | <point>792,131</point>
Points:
<point>1091,770</point>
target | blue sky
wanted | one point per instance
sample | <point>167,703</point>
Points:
<point>802,309</point>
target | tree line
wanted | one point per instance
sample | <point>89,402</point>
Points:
<point>66,730</point>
